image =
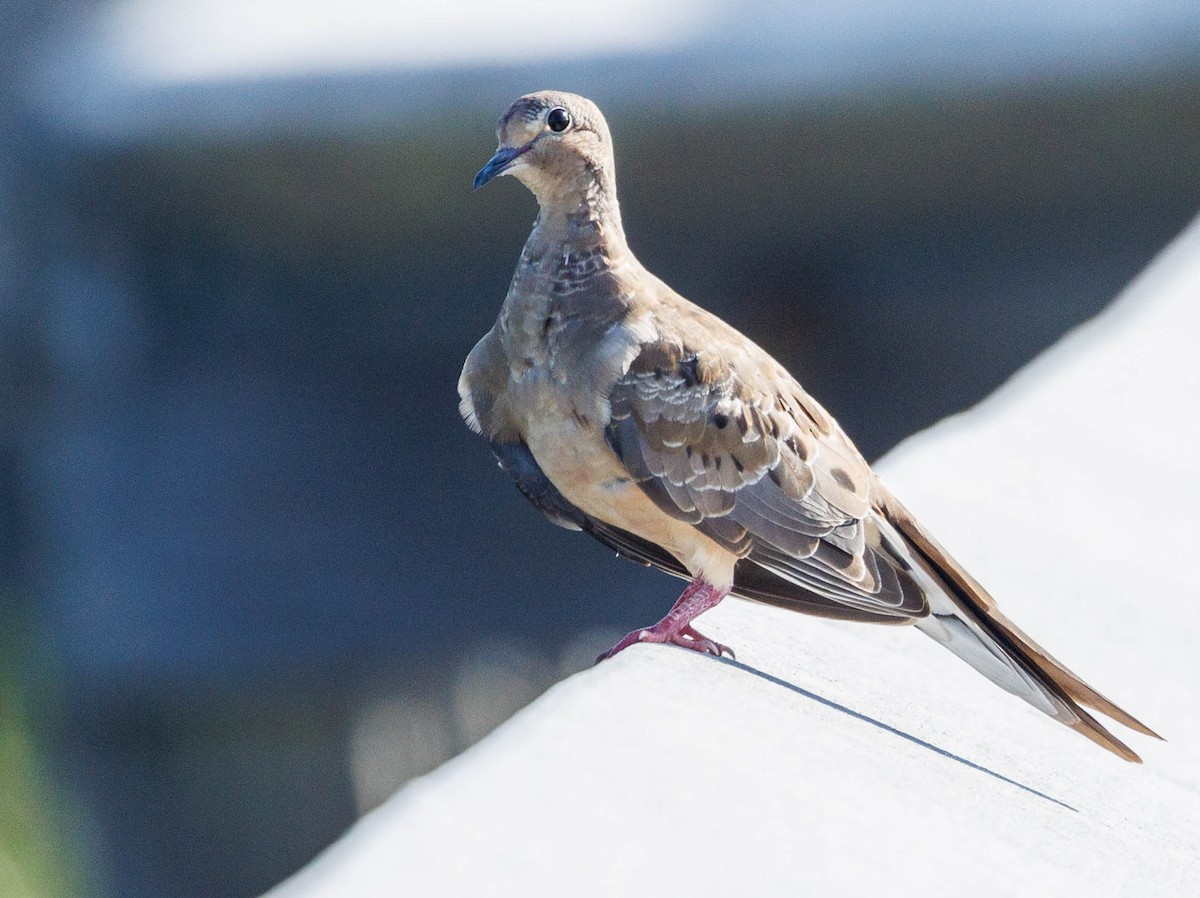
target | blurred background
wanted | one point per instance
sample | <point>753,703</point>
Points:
<point>254,571</point>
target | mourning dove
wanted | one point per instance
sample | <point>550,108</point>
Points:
<point>624,410</point>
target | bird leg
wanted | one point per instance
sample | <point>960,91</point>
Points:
<point>676,626</point>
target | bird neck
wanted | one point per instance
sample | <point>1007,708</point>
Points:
<point>581,220</point>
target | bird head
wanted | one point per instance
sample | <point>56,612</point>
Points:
<point>556,144</point>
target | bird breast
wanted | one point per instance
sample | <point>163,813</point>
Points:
<point>564,430</point>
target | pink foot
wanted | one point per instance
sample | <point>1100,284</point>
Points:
<point>701,643</point>
<point>676,627</point>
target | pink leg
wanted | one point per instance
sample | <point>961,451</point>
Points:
<point>676,627</point>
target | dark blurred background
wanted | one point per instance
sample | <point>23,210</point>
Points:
<point>254,571</point>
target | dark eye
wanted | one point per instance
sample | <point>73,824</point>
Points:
<point>558,119</point>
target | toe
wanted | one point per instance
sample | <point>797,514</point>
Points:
<point>693,639</point>
<point>629,639</point>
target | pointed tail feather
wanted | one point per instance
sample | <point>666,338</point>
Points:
<point>1071,684</point>
<point>966,620</point>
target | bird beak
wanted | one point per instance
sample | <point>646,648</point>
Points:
<point>499,164</point>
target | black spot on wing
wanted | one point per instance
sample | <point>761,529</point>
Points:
<point>689,370</point>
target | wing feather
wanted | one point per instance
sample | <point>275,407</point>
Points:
<point>733,446</point>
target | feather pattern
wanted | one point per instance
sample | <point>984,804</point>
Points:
<point>743,460</point>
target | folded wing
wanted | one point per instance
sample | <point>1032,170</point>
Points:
<point>746,456</point>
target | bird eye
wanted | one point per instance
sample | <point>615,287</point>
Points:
<point>558,119</point>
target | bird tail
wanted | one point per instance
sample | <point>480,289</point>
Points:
<point>967,621</point>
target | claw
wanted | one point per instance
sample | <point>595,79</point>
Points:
<point>631,638</point>
<point>702,643</point>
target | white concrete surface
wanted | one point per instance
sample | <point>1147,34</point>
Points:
<point>838,759</point>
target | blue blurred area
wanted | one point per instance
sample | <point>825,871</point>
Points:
<point>268,572</point>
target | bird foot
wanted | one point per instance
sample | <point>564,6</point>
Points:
<point>676,627</point>
<point>699,642</point>
<point>626,641</point>
<point>687,638</point>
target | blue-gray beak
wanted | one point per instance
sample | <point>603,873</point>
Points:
<point>499,164</point>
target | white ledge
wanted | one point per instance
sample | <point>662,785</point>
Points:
<point>838,759</point>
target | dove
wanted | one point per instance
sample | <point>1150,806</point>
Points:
<point>622,409</point>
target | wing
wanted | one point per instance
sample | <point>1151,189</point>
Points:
<point>733,445</point>
<point>753,582</point>
<point>481,386</point>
